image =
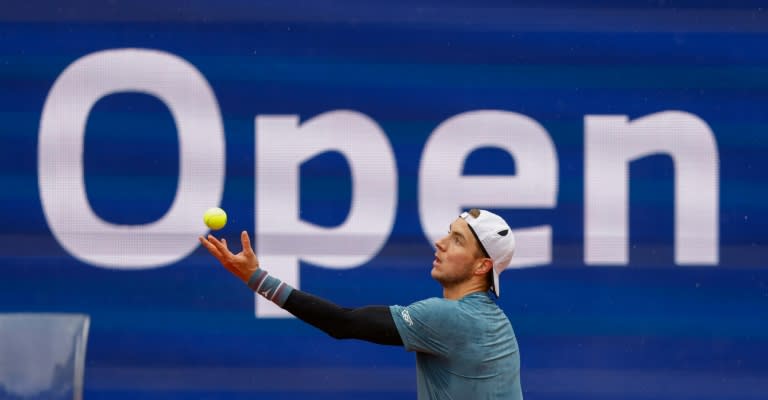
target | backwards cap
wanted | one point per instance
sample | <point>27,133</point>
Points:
<point>495,238</point>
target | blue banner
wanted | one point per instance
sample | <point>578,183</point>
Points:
<point>624,143</point>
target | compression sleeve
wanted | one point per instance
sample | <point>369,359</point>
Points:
<point>372,323</point>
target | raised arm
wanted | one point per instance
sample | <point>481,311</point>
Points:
<point>370,323</point>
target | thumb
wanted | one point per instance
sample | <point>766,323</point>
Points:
<point>246,242</point>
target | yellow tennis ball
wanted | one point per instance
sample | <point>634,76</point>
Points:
<point>215,218</point>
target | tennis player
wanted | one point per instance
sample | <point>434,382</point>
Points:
<point>465,346</point>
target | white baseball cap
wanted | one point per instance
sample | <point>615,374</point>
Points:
<point>495,238</point>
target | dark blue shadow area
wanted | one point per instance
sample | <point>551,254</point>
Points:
<point>489,161</point>
<point>131,158</point>
<point>325,189</point>
<point>652,211</point>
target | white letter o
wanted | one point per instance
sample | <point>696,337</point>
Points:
<point>195,111</point>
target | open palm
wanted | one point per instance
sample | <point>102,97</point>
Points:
<point>242,264</point>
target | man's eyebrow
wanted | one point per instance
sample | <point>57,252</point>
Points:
<point>454,232</point>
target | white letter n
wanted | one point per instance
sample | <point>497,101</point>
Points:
<point>611,143</point>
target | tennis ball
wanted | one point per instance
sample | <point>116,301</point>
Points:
<point>215,218</point>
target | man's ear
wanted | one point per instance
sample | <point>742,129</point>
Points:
<point>485,266</point>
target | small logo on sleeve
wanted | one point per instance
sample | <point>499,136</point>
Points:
<point>407,317</point>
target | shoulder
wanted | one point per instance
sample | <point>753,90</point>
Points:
<point>430,309</point>
<point>434,305</point>
<point>427,326</point>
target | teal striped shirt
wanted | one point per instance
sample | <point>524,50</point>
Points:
<point>465,349</point>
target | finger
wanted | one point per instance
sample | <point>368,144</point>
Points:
<point>213,240</point>
<point>219,246</point>
<point>210,247</point>
<point>207,244</point>
<point>223,260</point>
<point>246,242</point>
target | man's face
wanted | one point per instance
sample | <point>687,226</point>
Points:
<point>456,255</point>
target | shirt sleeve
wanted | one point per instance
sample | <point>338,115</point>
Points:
<point>426,326</point>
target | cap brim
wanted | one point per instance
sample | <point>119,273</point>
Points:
<point>496,283</point>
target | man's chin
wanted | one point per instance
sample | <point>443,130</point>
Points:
<point>435,274</point>
<point>441,279</point>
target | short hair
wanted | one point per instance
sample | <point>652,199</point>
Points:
<point>480,252</point>
<point>475,213</point>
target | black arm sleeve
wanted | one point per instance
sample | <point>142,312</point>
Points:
<point>371,323</point>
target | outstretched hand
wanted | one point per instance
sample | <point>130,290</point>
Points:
<point>242,264</point>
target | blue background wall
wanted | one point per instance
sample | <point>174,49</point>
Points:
<point>649,330</point>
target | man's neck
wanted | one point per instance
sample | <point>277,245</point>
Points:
<point>462,289</point>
